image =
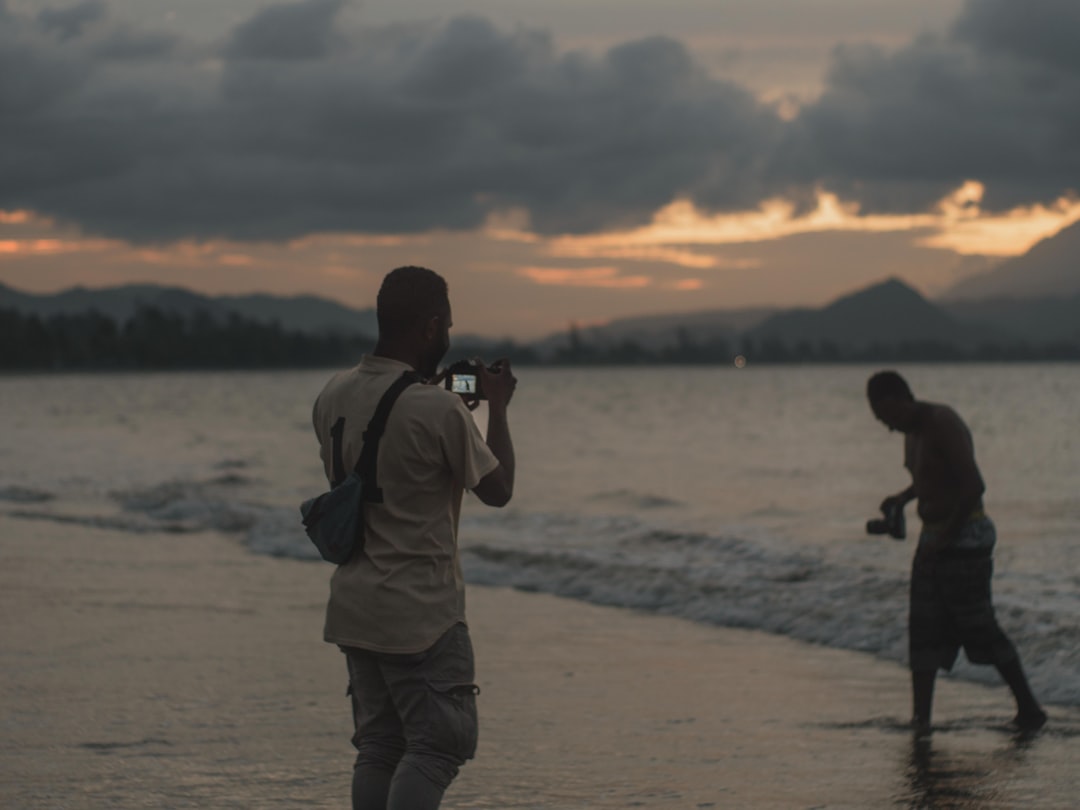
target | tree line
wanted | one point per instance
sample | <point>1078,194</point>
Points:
<point>156,339</point>
<point>686,350</point>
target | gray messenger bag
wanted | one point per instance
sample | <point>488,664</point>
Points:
<point>334,520</point>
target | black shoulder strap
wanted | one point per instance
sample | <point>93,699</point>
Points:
<point>337,436</point>
<point>369,453</point>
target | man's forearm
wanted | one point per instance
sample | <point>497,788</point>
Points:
<point>498,439</point>
<point>900,499</point>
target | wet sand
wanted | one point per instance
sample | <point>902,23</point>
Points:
<point>181,671</point>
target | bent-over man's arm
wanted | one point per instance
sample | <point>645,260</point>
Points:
<point>900,499</point>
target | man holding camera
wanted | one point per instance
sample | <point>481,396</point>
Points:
<point>397,607</point>
<point>950,579</point>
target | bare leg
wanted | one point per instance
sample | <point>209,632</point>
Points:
<point>1029,714</point>
<point>922,689</point>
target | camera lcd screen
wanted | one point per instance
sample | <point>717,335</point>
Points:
<point>463,383</point>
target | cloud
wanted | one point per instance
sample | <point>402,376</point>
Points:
<point>15,217</point>
<point>601,277</point>
<point>301,124</point>
<point>956,223</point>
<point>70,22</point>
<point>286,32</point>
<point>1041,31</point>
<point>996,99</point>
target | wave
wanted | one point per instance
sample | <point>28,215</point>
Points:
<point>717,580</point>
<point>215,505</point>
<point>634,500</point>
<point>18,494</point>
<point>184,506</point>
<point>232,464</point>
<point>795,595</point>
<point>621,560</point>
<point>133,525</point>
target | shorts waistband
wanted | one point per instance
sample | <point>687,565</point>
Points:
<point>966,553</point>
<point>974,517</point>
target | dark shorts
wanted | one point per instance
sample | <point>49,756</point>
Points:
<point>421,704</point>
<point>951,608</point>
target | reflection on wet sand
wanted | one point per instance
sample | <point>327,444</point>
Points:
<point>977,761</point>
<point>941,776</point>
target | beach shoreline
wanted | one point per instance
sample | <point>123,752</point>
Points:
<point>181,670</point>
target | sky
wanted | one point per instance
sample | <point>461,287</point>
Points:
<point>559,161</point>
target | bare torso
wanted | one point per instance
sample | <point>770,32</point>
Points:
<point>940,455</point>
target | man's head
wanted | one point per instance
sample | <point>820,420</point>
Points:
<point>413,309</point>
<point>891,400</point>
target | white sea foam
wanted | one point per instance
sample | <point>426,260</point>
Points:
<point>736,585</point>
<point>621,561</point>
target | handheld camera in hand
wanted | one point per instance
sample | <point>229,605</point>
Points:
<point>463,377</point>
<point>892,524</point>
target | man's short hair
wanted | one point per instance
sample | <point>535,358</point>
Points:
<point>888,385</point>
<point>408,297</point>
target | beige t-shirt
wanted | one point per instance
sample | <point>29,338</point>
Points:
<point>406,588</point>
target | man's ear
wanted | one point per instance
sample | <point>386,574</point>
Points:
<point>432,327</point>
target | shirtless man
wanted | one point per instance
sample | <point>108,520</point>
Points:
<point>950,579</point>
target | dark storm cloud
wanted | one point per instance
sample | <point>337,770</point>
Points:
<point>70,22</point>
<point>298,124</point>
<point>300,31</point>
<point>997,99</point>
<point>1037,30</point>
<point>102,43</point>
<point>302,127</point>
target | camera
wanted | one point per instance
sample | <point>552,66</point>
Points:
<point>463,377</point>
<point>892,524</point>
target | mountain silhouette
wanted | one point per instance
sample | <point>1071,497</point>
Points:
<point>658,331</point>
<point>1050,268</point>
<point>1032,321</point>
<point>304,313</point>
<point>889,313</point>
<point>888,319</point>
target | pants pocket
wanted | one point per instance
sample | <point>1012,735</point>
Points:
<point>455,724</point>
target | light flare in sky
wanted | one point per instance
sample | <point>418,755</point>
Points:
<point>688,285</point>
<point>675,254</point>
<point>573,248</point>
<point>1007,234</point>
<point>52,247</point>
<point>958,224</point>
<point>607,277</point>
<point>357,240</point>
<point>197,254</point>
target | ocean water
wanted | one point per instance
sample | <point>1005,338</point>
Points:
<point>733,497</point>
